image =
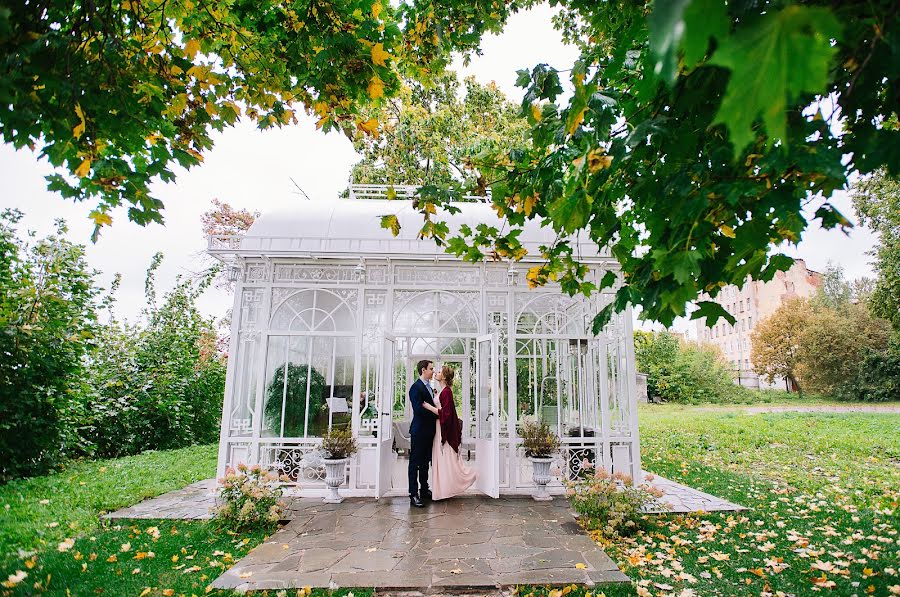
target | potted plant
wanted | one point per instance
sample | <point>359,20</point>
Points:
<point>338,445</point>
<point>540,444</point>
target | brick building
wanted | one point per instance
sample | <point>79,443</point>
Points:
<point>749,305</point>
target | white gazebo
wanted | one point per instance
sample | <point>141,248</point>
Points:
<point>331,313</point>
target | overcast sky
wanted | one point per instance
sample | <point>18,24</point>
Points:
<point>252,169</point>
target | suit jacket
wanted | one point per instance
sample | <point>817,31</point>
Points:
<point>423,422</point>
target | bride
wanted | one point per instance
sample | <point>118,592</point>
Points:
<point>449,476</point>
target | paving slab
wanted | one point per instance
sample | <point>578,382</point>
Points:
<point>451,546</point>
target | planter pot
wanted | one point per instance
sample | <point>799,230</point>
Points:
<point>335,472</point>
<point>540,474</point>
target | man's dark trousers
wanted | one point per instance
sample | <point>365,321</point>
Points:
<point>421,436</point>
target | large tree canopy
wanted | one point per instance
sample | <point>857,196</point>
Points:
<point>695,135</point>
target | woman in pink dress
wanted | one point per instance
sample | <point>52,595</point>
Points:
<point>449,476</point>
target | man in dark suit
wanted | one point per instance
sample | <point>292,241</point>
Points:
<point>421,434</point>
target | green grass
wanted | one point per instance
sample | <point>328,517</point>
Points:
<point>823,496</point>
<point>40,512</point>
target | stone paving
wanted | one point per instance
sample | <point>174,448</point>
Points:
<point>680,499</point>
<point>193,502</point>
<point>465,543</point>
<point>471,542</point>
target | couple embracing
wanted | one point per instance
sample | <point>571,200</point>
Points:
<point>435,434</point>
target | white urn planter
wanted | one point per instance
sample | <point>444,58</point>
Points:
<point>540,474</point>
<point>335,473</point>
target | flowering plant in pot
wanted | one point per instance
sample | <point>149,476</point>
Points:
<point>339,445</point>
<point>540,444</point>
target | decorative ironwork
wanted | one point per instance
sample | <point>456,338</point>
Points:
<point>417,275</point>
<point>318,274</point>
<point>300,463</point>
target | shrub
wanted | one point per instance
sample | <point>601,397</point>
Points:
<point>156,386</point>
<point>538,440</point>
<point>248,498</point>
<point>338,443</point>
<point>295,401</point>
<point>47,324</point>
<point>683,372</point>
<point>610,503</point>
<point>877,378</point>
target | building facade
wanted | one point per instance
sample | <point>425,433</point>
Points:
<point>752,303</point>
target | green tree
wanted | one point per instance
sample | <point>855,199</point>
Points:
<point>775,343</point>
<point>679,371</point>
<point>431,136</point>
<point>47,322</point>
<point>158,384</point>
<point>834,344</point>
<point>693,136</point>
<point>876,199</point>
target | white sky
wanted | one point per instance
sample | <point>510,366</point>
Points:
<point>252,169</point>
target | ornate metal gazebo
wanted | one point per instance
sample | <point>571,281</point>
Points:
<point>331,314</point>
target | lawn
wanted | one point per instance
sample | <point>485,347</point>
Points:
<point>822,491</point>
<point>823,496</point>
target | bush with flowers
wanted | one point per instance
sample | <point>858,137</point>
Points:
<point>610,503</point>
<point>248,498</point>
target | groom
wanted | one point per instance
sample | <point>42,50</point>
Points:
<point>421,435</point>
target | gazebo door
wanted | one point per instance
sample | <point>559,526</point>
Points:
<point>384,463</point>
<point>487,415</point>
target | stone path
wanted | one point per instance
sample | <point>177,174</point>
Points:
<point>466,543</point>
<point>753,410</point>
<point>193,502</point>
<point>680,499</point>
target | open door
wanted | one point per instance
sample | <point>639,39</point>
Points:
<point>384,462</point>
<point>487,415</point>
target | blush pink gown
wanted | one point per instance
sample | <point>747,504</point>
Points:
<point>449,476</point>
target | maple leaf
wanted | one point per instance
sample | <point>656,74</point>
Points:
<point>376,87</point>
<point>84,168</point>
<point>79,128</point>
<point>102,219</point>
<point>786,53</point>
<point>191,48</point>
<point>379,55</point>
<point>370,126</point>
<point>391,223</point>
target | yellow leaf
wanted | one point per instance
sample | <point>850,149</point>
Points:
<point>536,112</point>
<point>321,122</point>
<point>376,87</point>
<point>191,48</point>
<point>576,120</point>
<point>168,592</point>
<point>391,223</point>
<point>580,566</point>
<point>79,128</point>
<point>145,592</point>
<point>379,55</point>
<point>210,109</point>
<point>112,559</point>
<point>727,231</point>
<point>370,126</point>
<point>376,10</point>
<point>598,160</point>
<point>175,558</point>
<point>84,168</point>
<point>195,153</point>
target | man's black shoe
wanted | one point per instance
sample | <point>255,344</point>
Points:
<point>426,496</point>
<point>416,502</point>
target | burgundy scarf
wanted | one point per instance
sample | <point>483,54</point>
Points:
<point>451,426</point>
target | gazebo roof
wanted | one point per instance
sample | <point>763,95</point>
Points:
<point>348,228</point>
